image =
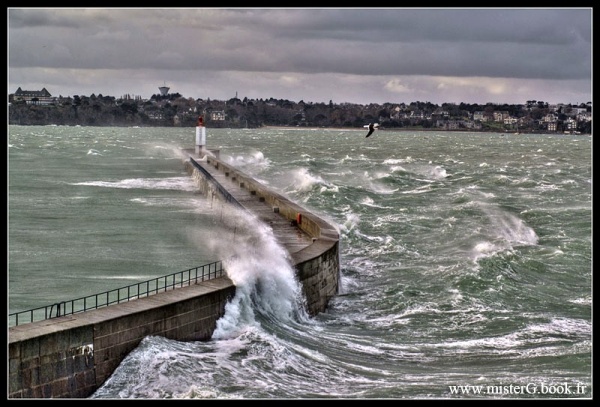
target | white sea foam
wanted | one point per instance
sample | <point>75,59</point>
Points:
<point>302,180</point>
<point>504,231</point>
<point>418,190</point>
<point>376,186</point>
<point>352,220</point>
<point>438,172</point>
<point>393,161</point>
<point>172,183</point>
<point>255,159</point>
<point>545,337</point>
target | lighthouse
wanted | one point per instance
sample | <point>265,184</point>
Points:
<point>200,136</point>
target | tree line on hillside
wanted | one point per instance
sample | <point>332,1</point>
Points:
<point>174,110</point>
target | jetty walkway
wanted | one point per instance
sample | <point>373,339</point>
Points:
<point>287,232</point>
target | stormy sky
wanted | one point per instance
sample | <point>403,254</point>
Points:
<point>366,55</point>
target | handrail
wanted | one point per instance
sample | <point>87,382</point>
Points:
<point>116,296</point>
<point>226,195</point>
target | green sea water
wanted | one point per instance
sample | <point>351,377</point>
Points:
<point>466,258</point>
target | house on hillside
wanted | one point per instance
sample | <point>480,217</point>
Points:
<point>33,97</point>
<point>500,116</point>
<point>217,115</point>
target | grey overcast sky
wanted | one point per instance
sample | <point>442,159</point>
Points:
<point>361,55</point>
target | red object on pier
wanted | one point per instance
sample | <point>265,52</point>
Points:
<point>200,121</point>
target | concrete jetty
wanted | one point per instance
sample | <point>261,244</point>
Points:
<point>72,356</point>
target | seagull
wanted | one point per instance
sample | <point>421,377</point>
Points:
<point>372,127</point>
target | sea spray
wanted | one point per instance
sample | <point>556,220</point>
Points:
<point>268,303</point>
<point>503,231</point>
<point>260,268</point>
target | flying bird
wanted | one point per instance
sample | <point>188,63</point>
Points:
<point>372,127</point>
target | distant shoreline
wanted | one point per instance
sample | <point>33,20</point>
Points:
<point>356,129</point>
<point>397,129</point>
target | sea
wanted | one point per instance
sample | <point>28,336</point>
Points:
<point>466,258</point>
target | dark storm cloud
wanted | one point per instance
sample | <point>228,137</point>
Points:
<point>393,44</point>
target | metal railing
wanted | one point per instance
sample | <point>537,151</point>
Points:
<point>119,295</point>
<point>224,193</point>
